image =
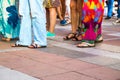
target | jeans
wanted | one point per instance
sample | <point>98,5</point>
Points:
<point>110,8</point>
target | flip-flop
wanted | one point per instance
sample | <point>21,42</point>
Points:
<point>35,46</point>
<point>99,39</point>
<point>85,45</point>
<point>18,45</point>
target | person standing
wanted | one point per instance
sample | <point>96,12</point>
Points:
<point>118,13</point>
<point>92,15</point>
<point>9,20</point>
<point>110,9</point>
<point>32,19</point>
<point>51,14</point>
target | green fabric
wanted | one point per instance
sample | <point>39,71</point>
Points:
<point>6,29</point>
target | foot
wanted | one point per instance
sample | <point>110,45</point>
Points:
<point>35,46</point>
<point>77,37</point>
<point>85,45</point>
<point>99,39</point>
<point>49,34</point>
<point>18,45</point>
<point>63,22</point>
<point>69,36</point>
<point>6,39</point>
<point>117,21</point>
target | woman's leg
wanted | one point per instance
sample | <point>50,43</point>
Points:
<point>79,9</point>
<point>63,6</point>
<point>52,19</point>
<point>47,19</point>
<point>59,12</point>
<point>74,15</point>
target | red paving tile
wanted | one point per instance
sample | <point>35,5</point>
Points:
<point>69,76</point>
<point>41,69</point>
<point>103,73</point>
<point>5,45</point>
<point>41,56</point>
<point>13,61</point>
<point>113,42</point>
<point>75,65</point>
<point>55,67</point>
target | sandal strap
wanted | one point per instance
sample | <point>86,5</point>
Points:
<point>35,45</point>
<point>70,36</point>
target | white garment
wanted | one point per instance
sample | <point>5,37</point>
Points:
<point>33,17</point>
<point>67,3</point>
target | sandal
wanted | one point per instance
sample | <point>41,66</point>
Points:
<point>69,36</point>
<point>35,46</point>
<point>78,36</point>
<point>6,39</point>
<point>99,39</point>
<point>18,45</point>
<point>85,45</point>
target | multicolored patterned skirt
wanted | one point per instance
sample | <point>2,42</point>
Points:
<point>92,15</point>
<point>9,20</point>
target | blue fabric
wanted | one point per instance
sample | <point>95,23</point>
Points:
<point>13,16</point>
<point>110,8</point>
<point>9,21</point>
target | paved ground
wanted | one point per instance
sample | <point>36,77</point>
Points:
<point>62,60</point>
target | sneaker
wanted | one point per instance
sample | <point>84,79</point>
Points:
<point>117,21</point>
<point>63,22</point>
<point>49,34</point>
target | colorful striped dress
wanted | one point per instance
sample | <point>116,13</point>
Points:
<point>92,15</point>
<point>9,21</point>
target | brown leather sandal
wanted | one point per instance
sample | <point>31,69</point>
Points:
<point>69,36</point>
<point>77,38</point>
<point>35,46</point>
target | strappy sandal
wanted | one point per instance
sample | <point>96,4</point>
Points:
<point>18,45</point>
<point>35,46</point>
<point>69,36</point>
<point>85,45</point>
<point>99,39</point>
<point>78,36</point>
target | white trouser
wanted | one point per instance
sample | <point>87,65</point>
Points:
<point>35,22</point>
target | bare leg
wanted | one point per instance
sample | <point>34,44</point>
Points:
<point>52,19</point>
<point>79,9</point>
<point>59,13</point>
<point>48,19</point>
<point>63,8</point>
<point>74,16</point>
